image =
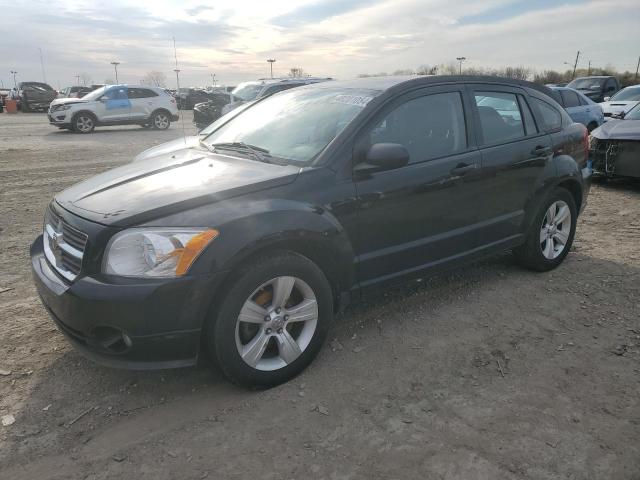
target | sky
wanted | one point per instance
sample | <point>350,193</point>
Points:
<point>335,38</point>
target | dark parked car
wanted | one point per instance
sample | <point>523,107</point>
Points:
<point>35,96</point>
<point>206,113</point>
<point>596,88</point>
<point>76,91</point>
<point>615,146</point>
<point>242,246</point>
<point>188,97</point>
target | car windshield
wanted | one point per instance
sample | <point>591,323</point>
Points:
<point>633,114</point>
<point>295,125</point>
<point>247,91</point>
<point>627,94</point>
<point>97,93</point>
<point>587,83</point>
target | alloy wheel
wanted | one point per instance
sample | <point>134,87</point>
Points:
<point>276,323</point>
<point>161,121</point>
<point>555,230</point>
<point>84,124</point>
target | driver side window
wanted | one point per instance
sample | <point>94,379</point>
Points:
<point>428,127</point>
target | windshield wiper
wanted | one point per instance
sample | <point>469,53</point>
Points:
<point>257,152</point>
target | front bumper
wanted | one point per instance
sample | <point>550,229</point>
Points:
<point>124,323</point>
<point>59,118</point>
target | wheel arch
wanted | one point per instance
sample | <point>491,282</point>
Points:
<point>88,112</point>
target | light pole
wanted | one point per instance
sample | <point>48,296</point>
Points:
<point>14,78</point>
<point>271,62</point>
<point>115,67</point>
<point>213,79</point>
<point>44,77</point>
<point>77,79</point>
<point>460,60</point>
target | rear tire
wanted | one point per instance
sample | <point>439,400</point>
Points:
<point>160,120</point>
<point>273,342</point>
<point>551,233</point>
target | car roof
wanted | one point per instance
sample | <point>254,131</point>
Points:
<point>392,82</point>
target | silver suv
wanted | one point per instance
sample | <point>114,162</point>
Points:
<point>150,107</point>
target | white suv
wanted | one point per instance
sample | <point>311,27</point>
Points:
<point>151,107</point>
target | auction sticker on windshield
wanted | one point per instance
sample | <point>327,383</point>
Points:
<point>357,100</point>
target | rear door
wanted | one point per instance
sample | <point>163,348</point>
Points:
<point>514,155</point>
<point>143,103</point>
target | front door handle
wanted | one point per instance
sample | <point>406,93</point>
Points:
<point>463,168</point>
<point>541,151</point>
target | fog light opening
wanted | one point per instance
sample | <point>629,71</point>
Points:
<point>112,339</point>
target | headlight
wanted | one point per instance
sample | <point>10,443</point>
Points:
<point>59,108</point>
<point>155,253</point>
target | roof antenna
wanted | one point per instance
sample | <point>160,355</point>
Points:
<point>177,70</point>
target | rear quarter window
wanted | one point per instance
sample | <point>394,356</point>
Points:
<point>550,116</point>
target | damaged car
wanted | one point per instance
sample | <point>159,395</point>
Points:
<point>623,101</point>
<point>615,146</point>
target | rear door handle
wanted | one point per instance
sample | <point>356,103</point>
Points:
<point>541,151</point>
<point>463,168</point>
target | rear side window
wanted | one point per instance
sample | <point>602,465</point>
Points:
<point>428,127</point>
<point>141,93</point>
<point>551,117</point>
<point>570,98</point>
<point>500,118</point>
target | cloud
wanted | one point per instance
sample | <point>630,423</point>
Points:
<point>317,11</point>
<point>325,37</point>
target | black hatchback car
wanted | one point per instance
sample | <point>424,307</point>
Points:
<point>240,247</point>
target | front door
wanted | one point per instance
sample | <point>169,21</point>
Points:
<point>421,214</point>
<point>114,105</point>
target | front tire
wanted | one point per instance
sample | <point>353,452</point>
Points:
<point>551,234</point>
<point>160,120</point>
<point>272,321</point>
<point>83,123</point>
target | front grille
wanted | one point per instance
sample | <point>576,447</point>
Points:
<point>63,245</point>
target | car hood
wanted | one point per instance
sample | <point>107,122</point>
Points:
<point>182,143</point>
<point>167,184</point>
<point>617,107</point>
<point>618,130</point>
<point>67,100</point>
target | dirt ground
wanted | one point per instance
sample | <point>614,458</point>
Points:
<point>487,372</point>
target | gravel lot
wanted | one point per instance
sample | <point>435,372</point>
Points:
<point>487,372</point>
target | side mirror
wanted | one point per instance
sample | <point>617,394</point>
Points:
<point>606,99</point>
<point>384,156</point>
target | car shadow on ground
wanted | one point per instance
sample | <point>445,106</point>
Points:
<point>75,401</point>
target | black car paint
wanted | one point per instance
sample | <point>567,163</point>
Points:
<point>362,228</point>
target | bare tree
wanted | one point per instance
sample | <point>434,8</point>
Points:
<point>404,71</point>
<point>297,72</point>
<point>427,70</point>
<point>154,79</point>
